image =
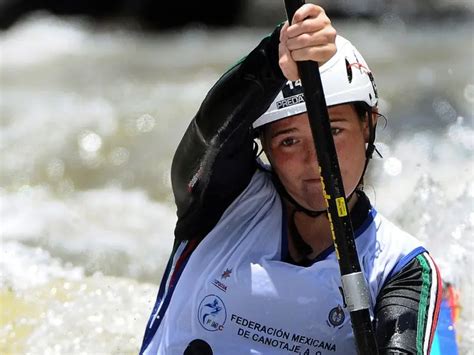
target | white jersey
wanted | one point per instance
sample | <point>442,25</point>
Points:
<point>234,292</point>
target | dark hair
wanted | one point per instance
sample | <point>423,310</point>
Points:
<point>362,109</point>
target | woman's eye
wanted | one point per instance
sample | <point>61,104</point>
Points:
<point>287,142</point>
<point>335,131</point>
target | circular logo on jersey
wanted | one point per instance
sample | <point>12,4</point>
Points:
<point>336,316</point>
<point>212,313</point>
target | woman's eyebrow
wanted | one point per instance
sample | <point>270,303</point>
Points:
<point>337,119</point>
<point>283,131</point>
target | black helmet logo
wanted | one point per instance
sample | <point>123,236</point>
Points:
<point>292,88</point>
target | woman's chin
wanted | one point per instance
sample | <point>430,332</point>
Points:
<point>319,207</point>
<point>314,204</point>
<point>310,198</point>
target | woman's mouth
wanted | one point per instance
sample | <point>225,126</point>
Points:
<point>312,180</point>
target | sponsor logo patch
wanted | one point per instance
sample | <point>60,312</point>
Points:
<point>290,101</point>
<point>212,313</point>
<point>220,283</point>
<point>336,317</point>
<point>292,94</point>
<point>226,274</point>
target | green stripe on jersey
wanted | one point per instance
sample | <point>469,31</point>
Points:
<point>425,293</point>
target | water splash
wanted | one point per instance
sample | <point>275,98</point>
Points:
<point>54,309</point>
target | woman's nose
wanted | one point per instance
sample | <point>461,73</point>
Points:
<point>310,154</point>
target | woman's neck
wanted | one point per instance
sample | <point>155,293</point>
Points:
<point>315,232</point>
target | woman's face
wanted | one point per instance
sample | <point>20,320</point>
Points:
<point>289,146</point>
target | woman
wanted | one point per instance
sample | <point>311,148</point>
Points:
<point>253,269</point>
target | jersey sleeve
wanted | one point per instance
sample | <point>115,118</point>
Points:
<point>407,307</point>
<point>215,159</point>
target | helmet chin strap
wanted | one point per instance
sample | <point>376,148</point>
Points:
<point>371,148</point>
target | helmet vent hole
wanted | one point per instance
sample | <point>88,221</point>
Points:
<point>349,71</point>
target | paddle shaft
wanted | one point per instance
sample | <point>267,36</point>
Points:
<point>356,293</point>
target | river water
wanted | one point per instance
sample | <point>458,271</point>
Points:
<point>90,117</point>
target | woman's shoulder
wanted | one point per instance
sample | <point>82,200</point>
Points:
<point>377,235</point>
<point>391,234</point>
<point>386,249</point>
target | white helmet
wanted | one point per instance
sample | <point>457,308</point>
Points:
<point>346,78</point>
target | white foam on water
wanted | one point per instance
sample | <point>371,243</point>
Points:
<point>432,197</point>
<point>23,268</point>
<point>55,309</point>
<point>109,230</point>
<point>40,39</point>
